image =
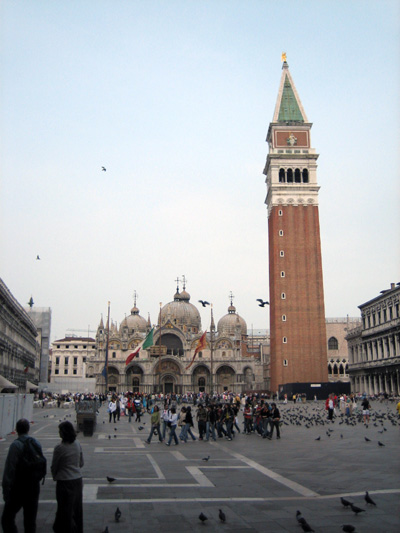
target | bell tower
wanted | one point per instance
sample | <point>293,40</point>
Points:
<point>297,310</point>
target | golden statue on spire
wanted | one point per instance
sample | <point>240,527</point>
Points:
<point>283,57</point>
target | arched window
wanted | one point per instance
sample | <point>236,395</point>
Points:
<point>333,344</point>
<point>330,370</point>
<point>335,370</point>
<point>341,370</point>
<point>289,175</point>
<point>297,175</point>
<point>305,175</point>
<point>281,175</point>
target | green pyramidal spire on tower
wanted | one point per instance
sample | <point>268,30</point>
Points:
<point>289,109</point>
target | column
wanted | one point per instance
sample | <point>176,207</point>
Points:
<point>380,382</point>
<point>386,383</point>
<point>391,383</point>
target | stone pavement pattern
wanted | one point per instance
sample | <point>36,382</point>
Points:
<point>258,483</point>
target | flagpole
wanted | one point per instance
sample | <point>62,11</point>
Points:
<point>108,335</point>
<point>212,327</point>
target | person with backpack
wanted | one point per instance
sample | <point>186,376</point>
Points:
<point>66,470</point>
<point>25,467</point>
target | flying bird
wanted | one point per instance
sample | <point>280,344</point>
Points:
<point>348,528</point>
<point>346,503</point>
<point>204,303</point>
<point>222,515</point>
<point>37,258</point>
<point>356,509</point>
<point>110,479</point>
<point>117,514</point>
<point>368,499</point>
<point>262,303</point>
<point>103,169</point>
<point>202,517</point>
<point>31,302</point>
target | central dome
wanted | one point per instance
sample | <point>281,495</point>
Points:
<point>181,312</point>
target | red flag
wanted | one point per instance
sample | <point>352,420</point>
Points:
<point>201,344</point>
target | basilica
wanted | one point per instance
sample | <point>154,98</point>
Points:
<point>228,361</point>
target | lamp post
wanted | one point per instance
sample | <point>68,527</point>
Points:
<point>107,337</point>
<point>212,331</point>
<point>159,355</point>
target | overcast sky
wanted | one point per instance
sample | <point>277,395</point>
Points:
<point>175,98</point>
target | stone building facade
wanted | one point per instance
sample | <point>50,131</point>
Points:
<point>338,354</point>
<point>228,362</point>
<point>374,346</point>
<point>19,348</point>
<point>71,356</point>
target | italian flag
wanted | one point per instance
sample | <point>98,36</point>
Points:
<point>148,341</point>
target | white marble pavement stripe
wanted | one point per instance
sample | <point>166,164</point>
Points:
<point>304,491</point>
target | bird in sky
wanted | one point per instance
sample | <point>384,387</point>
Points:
<point>222,515</point>
<point>204,303</point>
<point>117,514</point>
<point>103,169</point>
<point>37,257</point>
<point>202,517</point>
<point>368,499</point>
<point>31,302</point>
<point>356,509</point>
<point>110,479</point>
<point>262,302</point>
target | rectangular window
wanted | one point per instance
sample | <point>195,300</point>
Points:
<point>67,346</point>
<point>56,371</point>
<point>282,253</point>
<point>84,346</point>
<point>282,274</point>
<point>83,359</point>
<point>115,355</point>
<point>284,340</point>
<point>65,360</point>
<point>281,233</point>
<point>75,360</point>
<point>280,212</point>
<point>57,360</point>
<point>65,370</point>
<point>283,318</point>
<point>283,296</point>
<point>75,371</point>
<point>76,346</point>
<point>285,362</point>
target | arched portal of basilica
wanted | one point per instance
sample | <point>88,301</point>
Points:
<point>168,377</point>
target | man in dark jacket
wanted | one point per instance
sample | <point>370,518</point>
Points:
<point>275,422</point>
<point>18,489</point>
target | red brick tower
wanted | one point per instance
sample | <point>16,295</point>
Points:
<point>298,332</point>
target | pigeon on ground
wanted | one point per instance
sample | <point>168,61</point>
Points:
<point>206,458</point>
<point>117,514</point>
<point>300,519</point>
<point>356,509</point>
<point>368,499</point>
<point>367,439</point>
<point>204,303</point>
<point>306,527</point>
<point>106,530</point>
<point>202,517</point>
<point>110,479</point>
<point>140,428</point>
<point>109,436</point>
<point>346,503</point>
<point>348,528</point>
<point>222,516</point>
<point>380,443</point>
<point>318,438</point>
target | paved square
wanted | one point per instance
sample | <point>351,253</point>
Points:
<point>259,484</point>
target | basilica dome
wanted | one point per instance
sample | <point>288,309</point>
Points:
<point>134,322</point>
<point>181,312</point>
<point>228,323</point>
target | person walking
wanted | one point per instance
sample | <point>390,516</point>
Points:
<point>66,471</point>
<point>187,428</point>
<point>210,424</point>
<point>112,409</point>
<point>275,421</point>
<point>21,489</point>
<point>201,416</point>
<point>155,425</point>
<point>172,422</point>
